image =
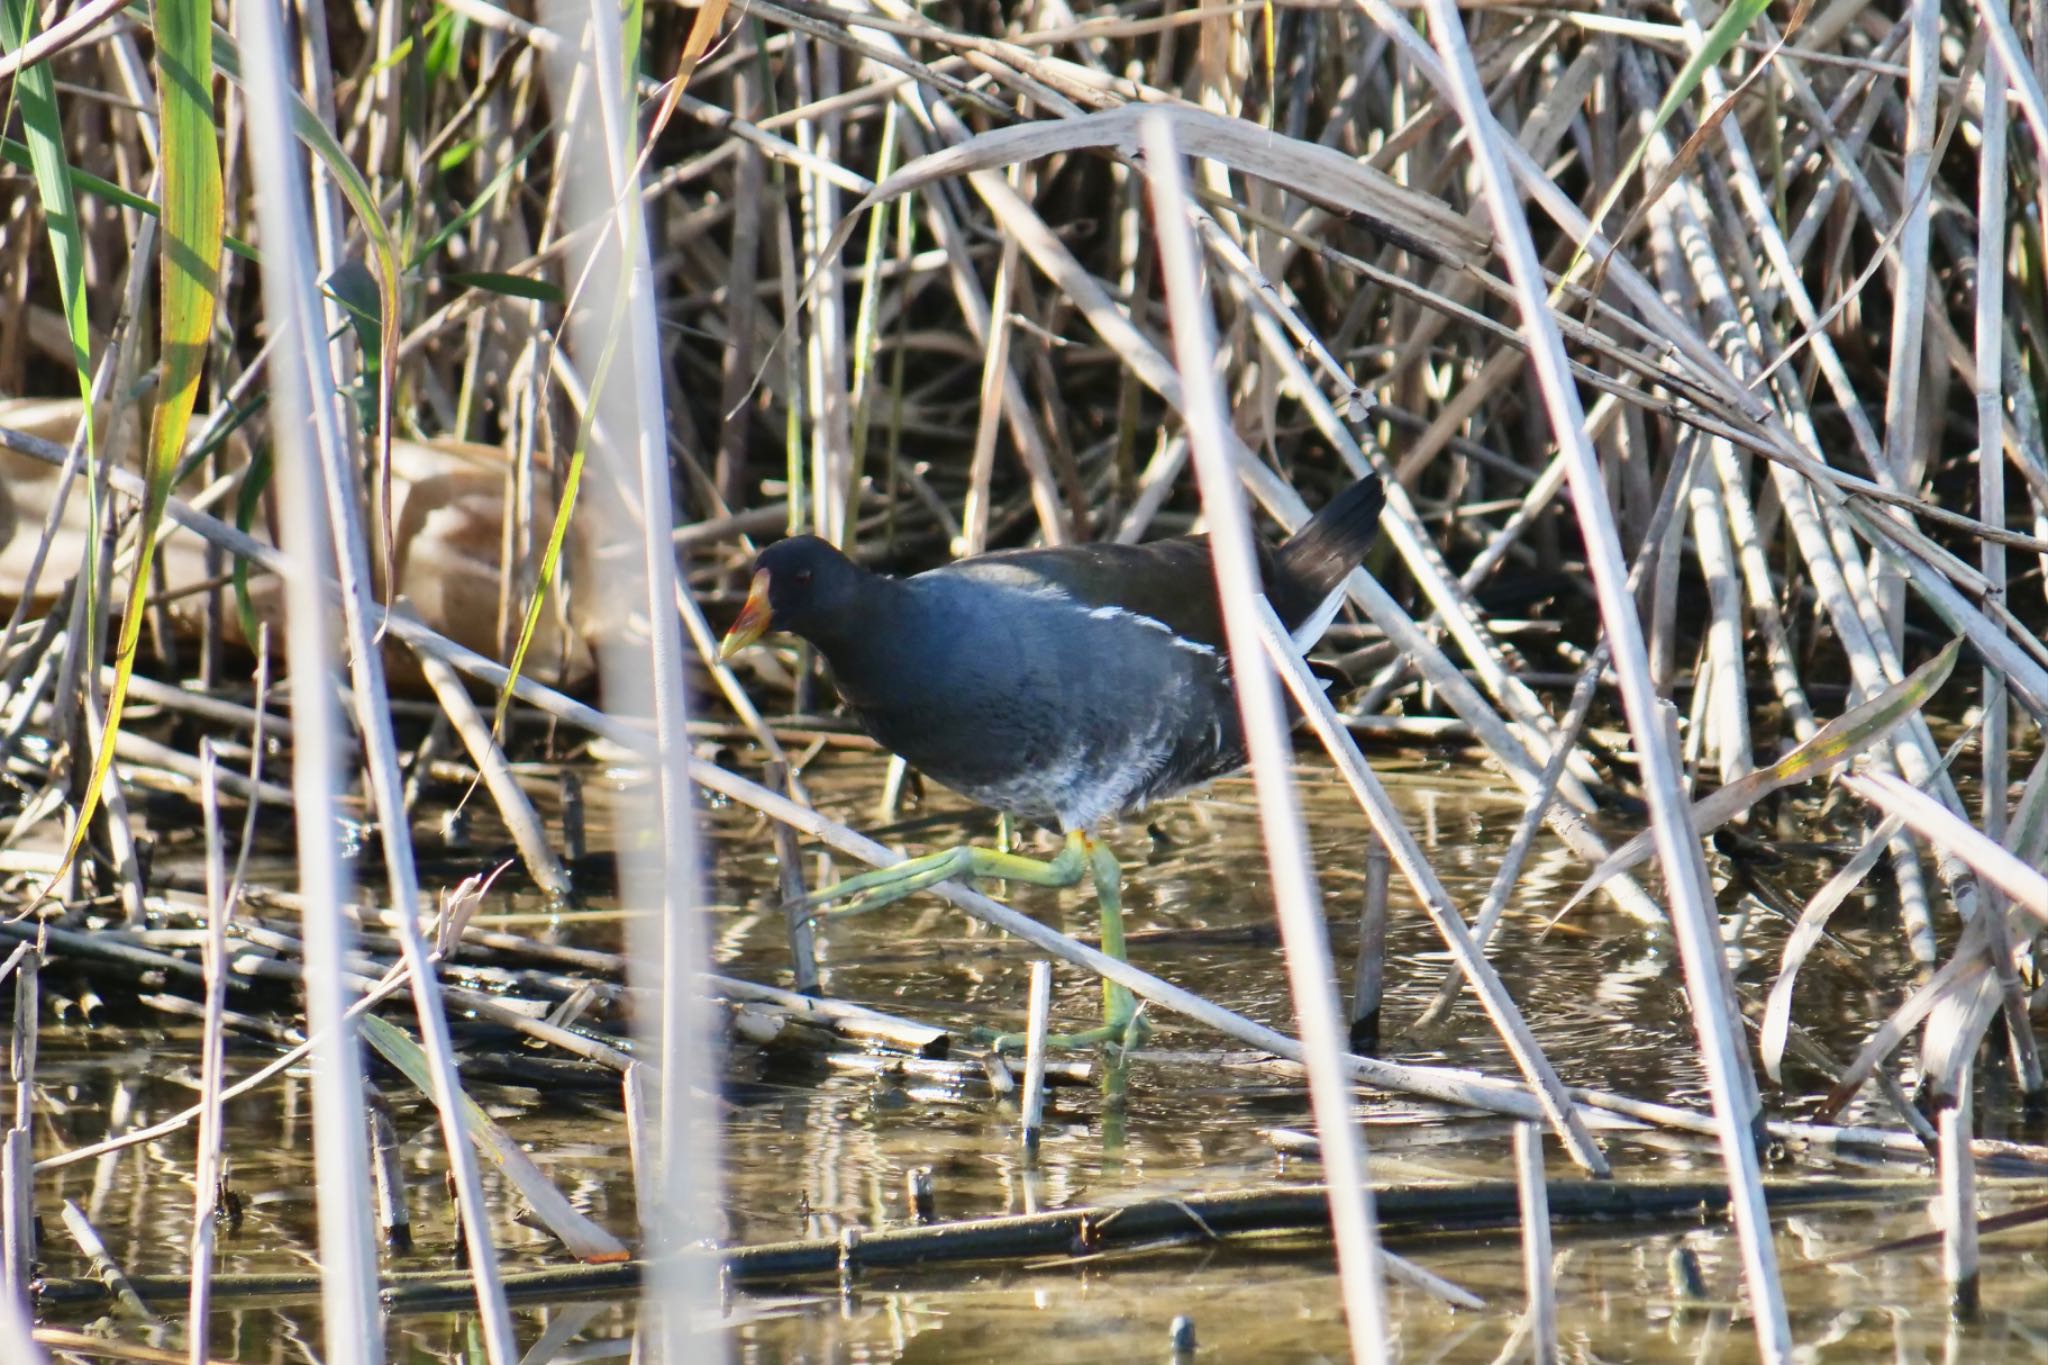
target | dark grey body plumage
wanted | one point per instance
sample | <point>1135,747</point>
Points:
<point>1064,685</point>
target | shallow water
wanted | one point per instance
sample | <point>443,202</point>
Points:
<point>812,1149</point>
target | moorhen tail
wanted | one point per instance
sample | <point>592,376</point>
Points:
<point>1066,686</point>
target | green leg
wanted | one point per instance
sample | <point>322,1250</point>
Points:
<point>1119,1007</point>
<point>1115,1085</point>
<point>885,885</point>
<point>1122,1025</point>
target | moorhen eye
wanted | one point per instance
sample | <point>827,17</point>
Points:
<point>1065,686</point>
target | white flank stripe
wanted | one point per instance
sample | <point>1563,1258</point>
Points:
<point>1139,618</point>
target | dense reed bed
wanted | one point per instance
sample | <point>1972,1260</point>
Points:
<point>444,365</point>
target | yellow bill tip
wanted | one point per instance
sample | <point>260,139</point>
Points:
<point>752,622</point>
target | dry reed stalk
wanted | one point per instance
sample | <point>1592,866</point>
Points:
<point>644,677</point>
<point>207,1167</point>
<point>1296,897</point>
<point>1708,985</point>
<point>304,394</point>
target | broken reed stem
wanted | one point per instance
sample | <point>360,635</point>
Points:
<point>1958,1200</point>
<point>394,1215</point>
<point>1037,1025</point>
<point>1368,975</point>
<point>789,882</point>
<point>1989,317</point>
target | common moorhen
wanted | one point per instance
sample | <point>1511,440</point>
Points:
<point>1065,686</point>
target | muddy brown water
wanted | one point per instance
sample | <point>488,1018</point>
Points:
<point>810,1150</point>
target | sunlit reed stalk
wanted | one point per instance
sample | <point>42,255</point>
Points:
<point>2025,81</point>
<point>1990,346</point>
<point>995,368</point>
<point>1694,921</point>
<point>829,405</point>
<point>303,408</point>
<point>1720,690</point>
<point>862,383</point>
<point>17,1328</point>
<point>1813,918</point>
<point>17,1169</point>
<point>743,272</point>
<point>1909,304</point>
<point>643,677</point>
<point>1296,896</point>
<point>206,1178</point>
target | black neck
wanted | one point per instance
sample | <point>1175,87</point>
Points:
<point>864,644</point>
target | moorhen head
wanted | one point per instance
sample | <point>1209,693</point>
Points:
<point>804,586</point>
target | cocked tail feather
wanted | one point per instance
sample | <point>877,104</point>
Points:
<point>1316,559</point>
<point>1309,569</point>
